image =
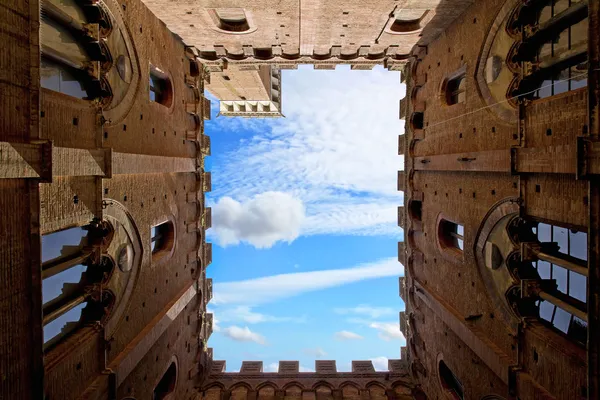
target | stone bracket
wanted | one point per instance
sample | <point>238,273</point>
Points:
<point>26,160</point>
<point>588,157</point>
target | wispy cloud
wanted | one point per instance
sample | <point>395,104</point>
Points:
<point>347,335</point>
<point>388,330</point>
<point>385,330</point>
<point>335,152</point>
<point>272,288</point>
<point>364,309</point>
<point>243,335</point>
<point>247,315</point>
<point>316,352</point>
<point>261,221</point>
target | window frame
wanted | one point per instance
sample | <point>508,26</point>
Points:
<point>167,237</point>
<point>449,243</point>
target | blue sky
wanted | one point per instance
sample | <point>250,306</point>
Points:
<point>304,224</point>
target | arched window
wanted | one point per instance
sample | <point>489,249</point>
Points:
<point>166,385</point>
<point>450,382</point>
<point>455,90</point>
<point>450,235</point>
<point>232,19</point>
<point>160,88</point>
<point>71,58</point>
<point>560,259</point>
<point>72,268</point>
<point>163,238</point>
<point>556,47</point>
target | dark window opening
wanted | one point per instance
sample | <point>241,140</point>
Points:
<point>455,90</point>
<point>451,235</point>
<point>450,382</point>
<point>417,120</point>
<point>166,385</point>
<point>160,88</point>
<point>416,209</point>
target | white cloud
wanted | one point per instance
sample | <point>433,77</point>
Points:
<point>335,151</point>
<point>247,315</point>
<point>272,288</point>
<point>380,363</point>
<point>243,335</point>
<point>273,367</point>
<point>316,352</point>
<point>347,335</point>
<point>388,330</point>
<point>364,309</point>
<point>261,221</point>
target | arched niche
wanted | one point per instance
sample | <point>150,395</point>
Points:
<point>350,391</point>
<point>490,236</point>
<point>124,75</point>
<point>126,250</point>
<point>240,391</point>
<point>266,391</point>
<point>376,391</point>
<point>492,74</point>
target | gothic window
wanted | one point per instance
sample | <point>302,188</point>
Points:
<point>160,88</point>
<point>450,383</point>
<point>71,59</point>
<point>166,385</point>
<point>232,19</point>
<point>163,236</point>
<point>451,235</point>
<point>561,261</point>
<point>455,90</point>
<point>72,268</point>
<point>553,53</point>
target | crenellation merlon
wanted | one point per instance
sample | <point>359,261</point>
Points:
<point>322,367</point>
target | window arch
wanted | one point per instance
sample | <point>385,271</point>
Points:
<point>73,272</point>
<point>232,20</point>
<point>450,383</point>
<point>166,386</point>
<point>408,21</point>
<point>554,48</point>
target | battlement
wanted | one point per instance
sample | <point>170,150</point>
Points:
<point>321,367</point>
<point>325,382</point>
